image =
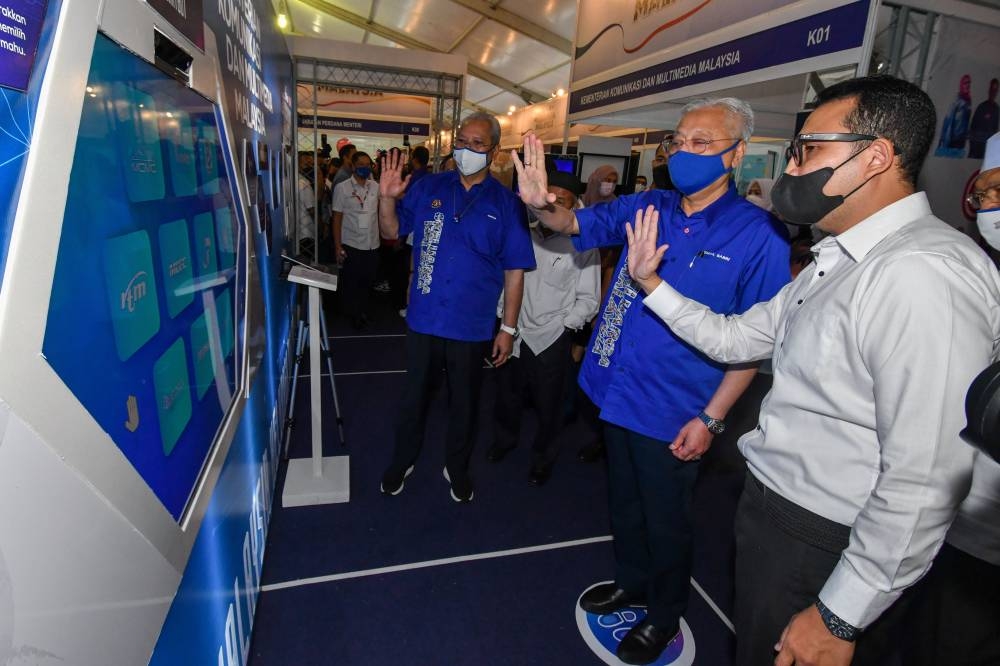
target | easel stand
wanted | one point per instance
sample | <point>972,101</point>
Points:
<point>315,480</point>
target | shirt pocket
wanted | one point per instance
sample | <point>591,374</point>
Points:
<point>811,344</point>
<point>482,236</point>
<point>560,273</point>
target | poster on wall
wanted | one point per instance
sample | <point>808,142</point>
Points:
<point>22,63</point>
<point>962,81</point>
<point>653,52</point>
<point>21,27</point>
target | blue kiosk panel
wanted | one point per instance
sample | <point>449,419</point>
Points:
<point>142,324</point>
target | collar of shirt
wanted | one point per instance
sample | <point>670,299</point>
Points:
<point>860,239</point>
<point>455,180</point>
<point>714,210</point>
<point>540,235</point>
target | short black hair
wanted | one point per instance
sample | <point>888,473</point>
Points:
<point>345,150</point>
<point>359,154</point>
<point>421,155</point>
<point>892,109</point>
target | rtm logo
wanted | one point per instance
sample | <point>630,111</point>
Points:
<point>134,292</point>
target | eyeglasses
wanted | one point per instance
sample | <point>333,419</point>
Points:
<point>476,145</point>
<point>675,144</point>
<point>977,198</point>
<point>796,151</point>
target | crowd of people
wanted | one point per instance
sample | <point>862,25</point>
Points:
<point>867,529</point>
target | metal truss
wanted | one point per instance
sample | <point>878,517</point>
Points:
<point>444,90</point>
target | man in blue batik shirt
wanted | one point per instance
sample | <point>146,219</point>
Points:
<point>470,241</point>
<point>724,252</point>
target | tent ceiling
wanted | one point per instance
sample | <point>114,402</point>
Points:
<point>518,50</point>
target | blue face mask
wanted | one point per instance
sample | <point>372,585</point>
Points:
<point>692,173</point>
<point>362,172</point>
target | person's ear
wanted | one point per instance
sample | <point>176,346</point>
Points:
<point>738,153</point>
<point>881,157</point>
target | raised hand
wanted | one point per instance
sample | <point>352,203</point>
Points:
<point>643,255</point>
<point>532,181</point>
<point>391,183</point>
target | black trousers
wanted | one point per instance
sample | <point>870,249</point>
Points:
<point>543,376</point>
<point>784,555</point>
<point>955,613</point>
<point>650,500</point>
<point>399,273</point>
<point>462,361</point>
<point>356,278</point>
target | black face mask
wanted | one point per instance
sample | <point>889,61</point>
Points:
<point>661,178</point>
<point>800,199</point>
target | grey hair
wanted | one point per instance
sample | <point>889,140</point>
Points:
<point>485,118</point>
<point>737,110</point>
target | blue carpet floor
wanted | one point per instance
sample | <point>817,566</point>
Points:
<point>418,579</point>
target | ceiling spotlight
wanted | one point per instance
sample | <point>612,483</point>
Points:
<point>512,109</point>
<point>283,14</point>
<point>510,113</point>
<point>90,89</point>
<point>560,92</point>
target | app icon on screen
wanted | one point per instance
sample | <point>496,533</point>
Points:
<point>139,142</point>
<point>227,238</point>
<point>175,260</point>
<point>173,394</point>
<point>204,244</point>
<point>131,291</point>
<point>176,130</point>
<point>201,351</point>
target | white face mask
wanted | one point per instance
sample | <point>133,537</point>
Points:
<point>639,187</point>
<point>988,222</point>
<point>607,189</point>
<point>757,201</point>
<point>469,161</point>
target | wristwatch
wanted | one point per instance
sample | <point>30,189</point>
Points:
<point>837,627</point>
<point>508,329</point>
<point>715,426</point>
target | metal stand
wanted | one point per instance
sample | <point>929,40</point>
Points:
<point>315,480</point>
<point>300,347</point>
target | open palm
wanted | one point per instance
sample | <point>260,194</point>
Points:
<point>532,181</point>
<point>643,255</point>
<point>391,183</point>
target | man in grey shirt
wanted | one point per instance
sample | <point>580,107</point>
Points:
<point>560,296</point>
<point>856,468</point>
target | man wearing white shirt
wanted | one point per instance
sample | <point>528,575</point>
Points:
<point>356,237</point>
<point>560,296</point>
<point>306,215</point>
<point>856,468</point>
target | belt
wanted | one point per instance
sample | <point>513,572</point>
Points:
<point>798,522</point>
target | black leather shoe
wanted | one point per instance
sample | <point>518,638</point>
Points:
<point>607,598</point>
<point>644,643</point>
<point>498,453</point>
<point>539,474</point>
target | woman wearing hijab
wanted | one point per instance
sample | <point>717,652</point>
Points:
<point>601,185</point>
<point>759,192</point>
